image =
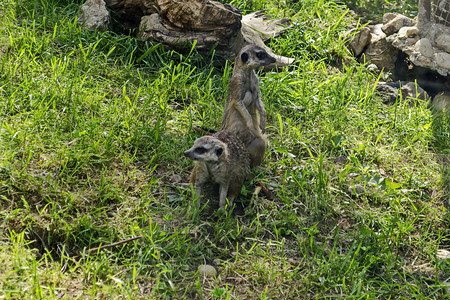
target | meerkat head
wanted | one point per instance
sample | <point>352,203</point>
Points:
<point>254,57</point>
<point>207,148</point>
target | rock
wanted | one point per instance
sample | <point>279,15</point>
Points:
<point>442,59</point>
<point>293,262</point>
<point>372,68</point>
<point>443,254</point>
<point>198,15</point>
<point>441,102</point>
<point>388,90</point>
<point>175,178</point>
<point>420,60</point>
<point>447,284</point>
<point>357,189</point>
<point>388,17</point>
<point>358,39</point>
<point>424,47</point>
<point>379,51</point>
<point>130,12</point>
<point>267,27</point>
<point>413,90</point>
<point>443,42</point>
<point>408,32</point>
<point>396,23</point>
<point>94,15</point>
<point>210,25</point>
<point>217,262</point>
<point>207,271</point>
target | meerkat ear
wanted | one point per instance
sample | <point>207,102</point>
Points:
<point>219,152</point>
<point>244,57</point>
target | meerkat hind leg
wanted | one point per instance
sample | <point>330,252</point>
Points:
<point>256,148</point>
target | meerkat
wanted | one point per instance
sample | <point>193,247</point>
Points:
<point>244,114</point>
<point>221,158</point>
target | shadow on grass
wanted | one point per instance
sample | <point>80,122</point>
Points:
<point>441,132</point>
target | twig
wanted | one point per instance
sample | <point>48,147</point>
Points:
<point>115,244</point>
<point>265,190</point>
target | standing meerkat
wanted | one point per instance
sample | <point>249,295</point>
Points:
<point>244,114</point>
<point>223,159</point>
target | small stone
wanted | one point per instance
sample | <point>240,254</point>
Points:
<point>372,68</point>
<point>388,90</point>
<point>217,262</point>
<point>357,189</point>
<point>340,160</point>
<point>176,178</point>
<point>413,90</point>
<point>424,47</point>
<point>443,254</point>
<point>207,270</point>
<point>395,24</point>
<point>388,17</point>
<point>293,262</point>
<point>442,60</point>
<point>407,32</point>
<point>443,42</point>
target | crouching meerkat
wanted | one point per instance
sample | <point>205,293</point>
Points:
<point>245,115</point>
<point>221,158</point>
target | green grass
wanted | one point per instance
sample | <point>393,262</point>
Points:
<point>93,127</point>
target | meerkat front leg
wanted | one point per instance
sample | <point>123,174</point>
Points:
<point>223,192</point>
<point>262,114</point>
<point>243,111</point>
<point>197,182</point>
<point>199,190</point>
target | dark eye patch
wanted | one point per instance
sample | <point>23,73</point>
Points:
<point>261,55</point>
<point>200,150</point>
<point>244,57</point>
<point>219,152</point>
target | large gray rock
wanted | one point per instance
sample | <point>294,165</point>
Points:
<point>443,42</point>
<point>424,47</point>
<point>380,52</point>
<point>94,15</point>
<point>442,60</point>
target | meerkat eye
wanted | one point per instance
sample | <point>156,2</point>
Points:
<point>244,57</point>
<point>200,150</point>
<point>261,55</point>
<point>219,152</point>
